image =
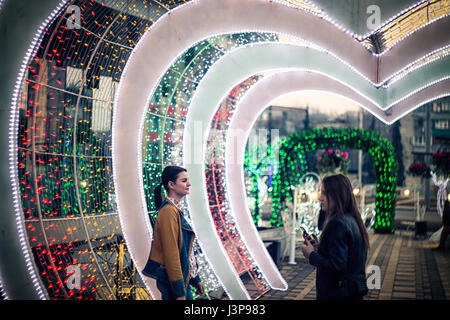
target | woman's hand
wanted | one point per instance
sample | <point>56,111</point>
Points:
<point>200,289</point>
<point>307,248</point>
<point>315,242</point>
<point>181,298</point>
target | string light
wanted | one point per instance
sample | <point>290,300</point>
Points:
<point>160,20</point>
<point>168,106</point>
<point>3,293</point>
<point>419,63</point>
<point>42,178</point>
<point>13,129</point>
<point>54,130</point>
<point>216,186</point>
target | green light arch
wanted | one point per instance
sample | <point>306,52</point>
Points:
<point>293,165</point>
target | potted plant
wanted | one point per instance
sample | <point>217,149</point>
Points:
<point>441,163</point>
<point>419,169</point>
<point>332,161</point>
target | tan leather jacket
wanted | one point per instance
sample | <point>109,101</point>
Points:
<point>167,241</point>
<point>172,246</point>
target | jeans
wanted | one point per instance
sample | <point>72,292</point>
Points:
<point>166,291</point>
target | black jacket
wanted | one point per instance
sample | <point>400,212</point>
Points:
<point>446,214</point>
<point>340,261</point>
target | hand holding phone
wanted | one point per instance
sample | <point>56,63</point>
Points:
<point>311,239</point>
<point>306,235</point>
<point>315,241</point>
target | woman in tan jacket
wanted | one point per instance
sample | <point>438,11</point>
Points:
<point>171,261</point>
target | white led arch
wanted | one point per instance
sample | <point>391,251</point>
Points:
<point>440,88</point>
<point>171,35</point>
<point>414,47</point>
<point>163,42</point>
<point>247,111</point>
<point>231,69</point>
<point>413,82</point>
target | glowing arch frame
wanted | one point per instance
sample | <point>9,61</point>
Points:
<point>128,175</point>
<point>210,92</point>
<point>248,110</point>
<point>160,38</point>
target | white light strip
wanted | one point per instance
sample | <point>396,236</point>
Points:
<point>412,93</point>
<point>171,35</point>
<point>385,83</point>
<point>13,131</point>
<point>351,64</point>
<point>384,98</point>
<point>386,50</point>
<point>413,49</point>
<point>322,14</point>
<point>3,292</point>
<point>128,228</point>
<point>212,84</point>
<point>435,91</point>
<point>228,71</point>
<point>244,117</point>
<point>388,82</point>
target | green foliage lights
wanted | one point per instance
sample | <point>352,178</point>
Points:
<point>293,165</point>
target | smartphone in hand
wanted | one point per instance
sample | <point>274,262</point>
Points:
<point>306,235</point>
<point>312,239</point>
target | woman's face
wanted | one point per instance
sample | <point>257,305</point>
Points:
<point>325,203</point>
<point>181,186</point>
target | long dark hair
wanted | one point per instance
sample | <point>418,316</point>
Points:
<point>339,189</point>
<point>170,173</point>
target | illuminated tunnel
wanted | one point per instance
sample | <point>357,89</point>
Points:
<point>101,95</point>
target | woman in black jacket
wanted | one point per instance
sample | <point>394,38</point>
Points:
<point>342,250</point>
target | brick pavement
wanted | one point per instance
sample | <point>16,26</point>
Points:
<point>409,270</point>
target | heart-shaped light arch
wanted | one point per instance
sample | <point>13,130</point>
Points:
<point>247,111</point>
<point>394,59</point>
<point>171,35</point>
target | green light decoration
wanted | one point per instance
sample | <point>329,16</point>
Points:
<point>293,165</point>
<point>259,162</point>
<point>251,182</point>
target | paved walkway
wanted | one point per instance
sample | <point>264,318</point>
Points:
<point>409,270</point>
